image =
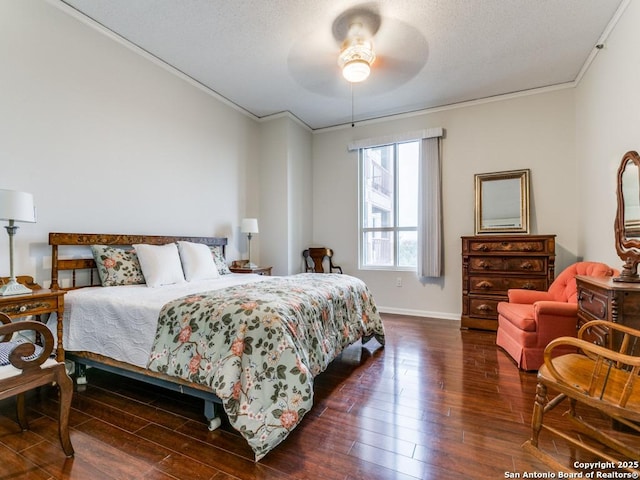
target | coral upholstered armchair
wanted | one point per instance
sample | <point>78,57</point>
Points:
<point>531,319</point>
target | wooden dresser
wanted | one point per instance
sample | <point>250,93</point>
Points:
<point>492,264</point>
<point>603,299</point>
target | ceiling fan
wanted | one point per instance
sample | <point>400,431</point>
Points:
<point>360,41</point>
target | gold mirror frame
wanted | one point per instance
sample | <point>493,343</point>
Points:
<point>502,202</point>
<point>628,217</point>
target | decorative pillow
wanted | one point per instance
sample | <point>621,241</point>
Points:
<point>7,347</point>
<point>160,264</point>
<point>218,258</point>
<point>197,261</point>
<point>117,266</point>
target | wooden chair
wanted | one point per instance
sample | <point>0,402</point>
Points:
<point>32,367</point>
<point>314,260</point>
<point>600,377</point>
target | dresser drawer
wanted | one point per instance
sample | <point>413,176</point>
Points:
<point>30,306</point>
<point>500,284</point>
<point>511,246</point>
<point>593,304</point>
<point>508,264</point>
<point>595,334</point>
<point>484,307</point>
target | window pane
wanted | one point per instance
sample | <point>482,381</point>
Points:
<point>408,155</point>
<point>377,249</point>
<point>378,187</point>
<point>389,205</point>
<point>408,249</point>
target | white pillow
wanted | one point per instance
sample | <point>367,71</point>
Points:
<point>197,261</point>
<point>160,264</point>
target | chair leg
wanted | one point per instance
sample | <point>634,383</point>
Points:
<point>538,413</point>
<point>65,386</point>
<point>21,412</point>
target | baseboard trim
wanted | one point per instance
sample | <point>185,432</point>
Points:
<point>420,313</point>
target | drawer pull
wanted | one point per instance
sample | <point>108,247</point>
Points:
<point>585,296</point>
<point>526,266</point>
<point>484,265</point>
<point>483,248</point>
<point>485,285</point>
<point>484,308</point>
<point>529,286</point>
<point>18,309</point>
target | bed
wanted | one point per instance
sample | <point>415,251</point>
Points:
<point>248,343</point>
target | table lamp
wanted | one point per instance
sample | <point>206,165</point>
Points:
<point>15,207</point>
<point>249,226</point>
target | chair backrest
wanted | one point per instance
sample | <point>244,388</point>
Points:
<point>314,260</point>
<point>564,288</point>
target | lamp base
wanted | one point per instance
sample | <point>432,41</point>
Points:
<point>13,288</point>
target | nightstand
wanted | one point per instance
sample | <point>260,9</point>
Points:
<point>39,302</point>
<point>258,270</point>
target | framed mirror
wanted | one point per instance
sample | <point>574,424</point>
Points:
<point>627,226</point>
<point>502,202</point>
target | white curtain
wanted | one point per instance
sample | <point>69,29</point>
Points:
<point>430,210</point>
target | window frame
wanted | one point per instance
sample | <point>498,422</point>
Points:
<point>396,230</point>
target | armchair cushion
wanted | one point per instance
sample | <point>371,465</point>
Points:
<point>520,315</point>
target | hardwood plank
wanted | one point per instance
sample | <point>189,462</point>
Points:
<point>15,466</point>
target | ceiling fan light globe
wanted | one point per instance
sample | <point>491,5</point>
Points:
<point>356,71</point>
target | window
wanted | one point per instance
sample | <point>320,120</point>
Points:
<point>389,206</point>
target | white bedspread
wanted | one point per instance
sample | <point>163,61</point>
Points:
<point>120,322</point>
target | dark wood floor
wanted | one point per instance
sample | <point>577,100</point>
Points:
<point>436,403</point>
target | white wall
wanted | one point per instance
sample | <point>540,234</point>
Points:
<point>108,141</point>
<point>285,200</point>
<point>300,187</point>
<point>607,126</point>
<point>532,131</point>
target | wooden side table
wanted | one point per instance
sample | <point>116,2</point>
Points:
<point>258,270</point>
<point>39,302</point>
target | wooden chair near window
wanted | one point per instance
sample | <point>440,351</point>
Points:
<point>30,366</point>
<point>604,378</point>
<point>314,260</point>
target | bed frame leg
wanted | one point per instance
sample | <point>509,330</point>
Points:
<point>81,373</point>
<point>211,415</point>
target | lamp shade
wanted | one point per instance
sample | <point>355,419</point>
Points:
<point>17,206</point>
<point>249,225</point>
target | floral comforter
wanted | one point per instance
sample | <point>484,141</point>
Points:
<point>258,346</point>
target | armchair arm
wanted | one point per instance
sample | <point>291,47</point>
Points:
<point>555,319</point>
<point>562,309</point>
<point>524,296</point>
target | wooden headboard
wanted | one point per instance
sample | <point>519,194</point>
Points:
<point>57,240</point>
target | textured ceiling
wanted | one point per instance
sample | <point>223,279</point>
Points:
<point>271,56</point>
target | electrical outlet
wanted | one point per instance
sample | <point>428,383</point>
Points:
<point>398,281</point>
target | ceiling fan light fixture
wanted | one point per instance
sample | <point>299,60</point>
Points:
<point>356,58</point>
<point>356,71</point>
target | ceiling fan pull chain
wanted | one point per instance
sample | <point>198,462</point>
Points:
<point>352,121</point>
